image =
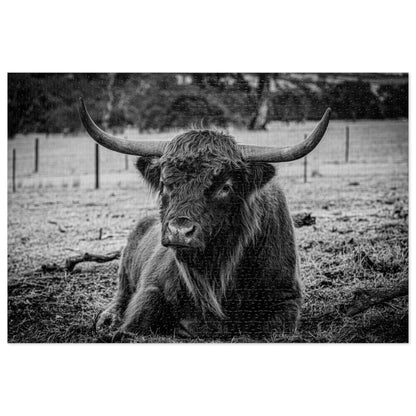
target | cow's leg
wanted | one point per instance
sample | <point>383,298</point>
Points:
<point>147,311</point>
<point>111,317</point>
<point>286,316</point>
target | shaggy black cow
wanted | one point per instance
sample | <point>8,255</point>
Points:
<point>221,259</point>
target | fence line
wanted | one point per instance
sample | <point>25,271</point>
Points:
<point>347,143</point>
<point>77,160</point>
<point>97,166</point>
<point>305,166</point>
<point>14,170</point>
<point>36,155</point>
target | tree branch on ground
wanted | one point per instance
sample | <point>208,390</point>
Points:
<point>71,262</point>
<point>366,298</point>
<point>303,219</point>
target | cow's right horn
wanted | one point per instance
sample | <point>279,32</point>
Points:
<point>130,147</point>
<point>286,154</point>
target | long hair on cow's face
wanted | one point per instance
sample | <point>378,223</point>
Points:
<point>203,176</point>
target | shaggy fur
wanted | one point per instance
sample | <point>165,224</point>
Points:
<point>241,277</point>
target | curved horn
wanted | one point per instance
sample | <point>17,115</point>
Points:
<point>130,147</point>
<point>289,153</point>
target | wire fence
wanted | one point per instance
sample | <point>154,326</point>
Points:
<point>40,161</point>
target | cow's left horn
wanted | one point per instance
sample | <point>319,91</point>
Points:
<point>287,154</point>
<point>130,147</point>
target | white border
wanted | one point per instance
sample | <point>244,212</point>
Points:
<point>213,36</point>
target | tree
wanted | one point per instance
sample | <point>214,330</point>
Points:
<point>354,99</point>
<point>260,118</point>
<point>49,102</point>
<point>394,100</point>
<point>255,88</point>
<point>26,101</point>
<point>110,99</point>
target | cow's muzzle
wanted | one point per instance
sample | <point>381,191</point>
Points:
<point>182,232</point>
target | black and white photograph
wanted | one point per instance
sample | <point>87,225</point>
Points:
<point>208,207</point>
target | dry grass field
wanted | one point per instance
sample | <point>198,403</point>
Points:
<point>359,241</point>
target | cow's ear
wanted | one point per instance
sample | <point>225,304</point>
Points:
<point>150,170</point>
<point>259,173</point>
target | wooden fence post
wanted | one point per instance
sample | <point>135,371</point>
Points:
<point>305,167</point>
<point>36,155</point>
<point>347,144</point>
<point>14,170</point>
<point>97,166</point>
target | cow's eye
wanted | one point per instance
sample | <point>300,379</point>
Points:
<point>224,191</point>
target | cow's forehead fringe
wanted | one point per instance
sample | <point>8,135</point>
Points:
<point>203,146</point>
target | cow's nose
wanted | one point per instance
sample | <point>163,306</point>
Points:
<point>182,232</point>
<point>182,228</point>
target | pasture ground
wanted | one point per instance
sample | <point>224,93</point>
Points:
<point>360,239</point>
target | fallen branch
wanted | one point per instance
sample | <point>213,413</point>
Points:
<point>366,298</point>
<point>303,219</point>
<point>71,262</point>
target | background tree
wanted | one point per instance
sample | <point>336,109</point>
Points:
<point>260,118</point>
<point>48,103</point>
<point>394,100</point>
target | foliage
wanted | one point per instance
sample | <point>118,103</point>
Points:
<point>352,100</point>
<point>394,101</point>
<point>157,102</point>
<point>188,110</point>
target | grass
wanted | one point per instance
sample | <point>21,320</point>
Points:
<point>360,240</point>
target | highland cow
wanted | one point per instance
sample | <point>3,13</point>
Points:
<point>221,258</point>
